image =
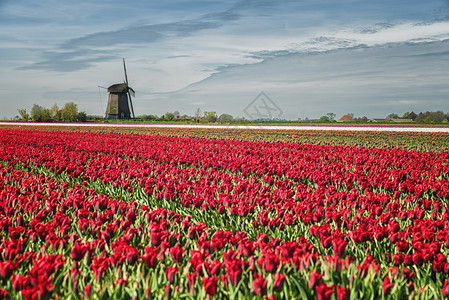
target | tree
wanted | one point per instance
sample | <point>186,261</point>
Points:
<point>197,114</point>
<point>225,118</point>
<point>82,117</point>
<point>210,116</point>
<point>36,113</point>
<point>437,116</point>
<point>24,115</point>
<point>331,116</point>
<point>148,117</point>
<point>351,115</point>
<point>393,116</point>
<point>362,119</point>
<point>420,117</point>
<point>431,117</point>
<point>324,119</point>
<point>54,110</point>
<point>46,116</point>
<point>169,116</point>
<point>70,112</point>
<point>176,114</point>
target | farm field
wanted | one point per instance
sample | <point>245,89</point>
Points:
<point>158,213</point>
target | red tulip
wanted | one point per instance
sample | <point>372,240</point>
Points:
<point>99,266</point>
<point>314,279</point>
<point>191,278</point>
<point>170,273</point>
<point>279,280</point>
<point>270,262</point>
<point>446,288</point>
<point>4,294</point>
<point>339,246</point>
<point>259,285</point>
<point>387,286</point>
<point>6,269</point>
<point>324,292</point>
<point>78,252</point>
<point>150,259</point>
<point>342,293</point>
<point>214,268</point>
<point>210,285</point>
<point>177,253</point>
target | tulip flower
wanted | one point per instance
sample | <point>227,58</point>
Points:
<point>210,285</point>
<point>259,285</point>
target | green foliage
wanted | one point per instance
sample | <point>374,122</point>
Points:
<point>148,117</point>
<point>55,113</point>
<point>70,112</point>
<point>82,117</point>
<point>393,116</point>
<point>324,119</point>
<point>210,116</point>
<point>431,117</point>
<point>225,117</point>
<point>169,116</point>
<point>37,113</point>
<point>24,115</point>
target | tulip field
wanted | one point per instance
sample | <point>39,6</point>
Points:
<point>213,215</point>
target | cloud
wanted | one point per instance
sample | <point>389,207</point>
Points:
<point>77,53</point>
<point>367,36</point>
<point>69,61</point>
<point>149,33</point>
<point>366,81</point>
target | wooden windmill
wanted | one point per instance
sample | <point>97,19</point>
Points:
<point>120,105</point>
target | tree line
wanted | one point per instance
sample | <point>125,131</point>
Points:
<point>69,113</point>
<point>425,117</point>
<point>209,116</point>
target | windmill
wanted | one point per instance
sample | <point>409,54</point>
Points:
<point>120,105</point>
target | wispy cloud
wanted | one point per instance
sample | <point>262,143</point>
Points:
<point>367,36</point>
<point>79,53</point>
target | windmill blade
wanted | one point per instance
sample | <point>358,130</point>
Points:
<point>130,89</point>
<point>126,76</point>
<point>131,103</point>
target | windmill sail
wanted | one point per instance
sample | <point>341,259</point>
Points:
<point>129,89</point>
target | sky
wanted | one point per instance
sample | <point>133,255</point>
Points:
<point>267,58</point>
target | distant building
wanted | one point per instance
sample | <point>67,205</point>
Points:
<point>346,118</point>
<point>378,120</point>
<point>412,116</point>
<point>402,120</point>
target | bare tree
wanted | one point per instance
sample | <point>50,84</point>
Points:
<point>331,116</point>
<point>197,114</point>
<point>24,115</point>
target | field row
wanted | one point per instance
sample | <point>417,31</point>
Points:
<point>123,216</point>
<point>415,141</point>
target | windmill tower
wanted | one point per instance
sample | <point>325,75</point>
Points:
<point>120,105</point>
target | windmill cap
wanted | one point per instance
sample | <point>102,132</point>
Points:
<point>118,88</point>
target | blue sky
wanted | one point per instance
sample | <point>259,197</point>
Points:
<point>310,57</point>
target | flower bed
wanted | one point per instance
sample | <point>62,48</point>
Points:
<point>123,216</point>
